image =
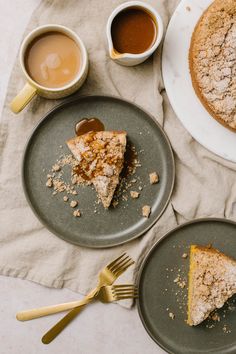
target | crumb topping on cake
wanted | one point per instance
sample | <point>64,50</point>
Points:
<point>99,153</point>
<point>212,281</point>
<point>213,56</point>
<point>100,157</point>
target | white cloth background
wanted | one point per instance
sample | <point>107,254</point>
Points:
<point>205,184</point>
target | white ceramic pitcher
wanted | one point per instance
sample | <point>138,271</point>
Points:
<point>129,59</point>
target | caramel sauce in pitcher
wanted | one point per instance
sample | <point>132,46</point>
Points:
<point>133,31</point>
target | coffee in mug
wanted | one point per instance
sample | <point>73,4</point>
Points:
<point>54,62</point>
<point>52,59</point>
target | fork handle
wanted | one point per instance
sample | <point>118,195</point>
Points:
<point>49,310</point>
<point>59,326</point>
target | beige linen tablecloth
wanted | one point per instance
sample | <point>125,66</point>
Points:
<point>205,184</point>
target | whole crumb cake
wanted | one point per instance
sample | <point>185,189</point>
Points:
<point>212,281</point>
<point>212,61</point>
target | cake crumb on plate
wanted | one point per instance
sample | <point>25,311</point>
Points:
<point>49,182</point>
<point>153,178</point>
<point>73,203</point>
<point>134,194</point>
<point>146,211</point>
<point>77,213</point>
<point>56,168</point>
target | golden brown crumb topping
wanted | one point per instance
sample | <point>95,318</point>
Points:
<point>214,59</point>
<point>99,153</point>
<point>213,281</point>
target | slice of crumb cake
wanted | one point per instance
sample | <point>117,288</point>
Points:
<point>101,158</point>
<point>212,281</point>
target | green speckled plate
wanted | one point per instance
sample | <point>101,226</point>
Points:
<point>105,228</point>
<point>159,295</point>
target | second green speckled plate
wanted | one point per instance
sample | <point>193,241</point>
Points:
<point>159,295</point>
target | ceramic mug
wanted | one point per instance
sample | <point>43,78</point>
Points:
<point>32,88</point>
<point>129,59</point>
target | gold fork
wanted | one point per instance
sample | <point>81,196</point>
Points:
<point>111,293</point>
<point>106,294</point>
<point>106,277</point>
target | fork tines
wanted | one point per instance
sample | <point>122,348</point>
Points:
<point>120,264</point>
<point>125,291</point>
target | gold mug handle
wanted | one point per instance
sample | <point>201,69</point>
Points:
<point>23,98</point>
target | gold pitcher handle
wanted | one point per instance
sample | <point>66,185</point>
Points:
<point>23,98</point>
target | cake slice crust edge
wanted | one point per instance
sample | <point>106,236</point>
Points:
<point>224,287</point>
